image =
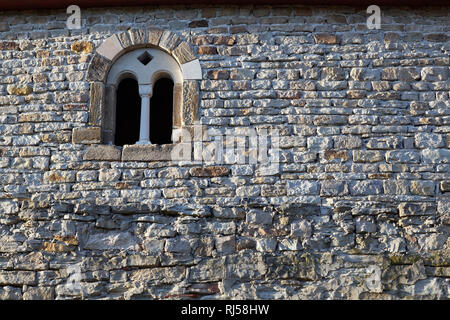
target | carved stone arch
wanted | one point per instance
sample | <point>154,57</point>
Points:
<point>102,101</point>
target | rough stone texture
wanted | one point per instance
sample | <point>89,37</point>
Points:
<point>103,152</point>
<point>86,135</point>
<point>190,102</point>
<point>96,104</point>
<point>184,53</point>
<point>98,68</point>
<point>358,207</point>
<point>212,171</point>
<point>146,152</point>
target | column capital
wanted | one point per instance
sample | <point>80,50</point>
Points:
<point>145,90</point>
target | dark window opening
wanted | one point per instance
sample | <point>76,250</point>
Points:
<point>161,111</point>
<point>128,112</point>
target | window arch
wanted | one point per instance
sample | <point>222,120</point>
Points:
<point>153,70</point>
<point>144,48</point>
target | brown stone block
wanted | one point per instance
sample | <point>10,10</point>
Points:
<point>103,152</point>
<point>225,40</point>
<point>81,47</point>
<point>325,38</point>
<point>86,135</point>
<point>207,50</point>
<point>9,45</point>
<point>218,74</point>
<point>202,40</point>
<point>190,101</point>
<point>211,171</point>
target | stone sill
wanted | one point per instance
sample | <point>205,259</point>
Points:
<point>133,152</point>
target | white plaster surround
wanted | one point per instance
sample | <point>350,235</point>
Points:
<point>162,65</point>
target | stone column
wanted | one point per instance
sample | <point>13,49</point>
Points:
<point>145,91</point>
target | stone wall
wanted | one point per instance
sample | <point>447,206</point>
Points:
<point>358,210</point>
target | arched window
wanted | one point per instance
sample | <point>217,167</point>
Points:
<point>161,112</point>
<point>143,83</point>
<point>128,112</point>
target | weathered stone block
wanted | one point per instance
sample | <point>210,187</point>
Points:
<point>210,171</point>
<point>138,36</point>
<point>19,90</point>
<point>86,135</point>
<point>425,140</point>
<point>255,216</point>
<point>98,68</point>
<point>435,155</point>
<point>103,153</point>
<point>169,41</point>
<point>183,53</point>
<point>416,209</point>
<point>423,188</point>
<point>395,187</point>
<point>96,103</point>
<point>325,38</point>
<point>364,188</point>
<point>402,157</point>
<point>332,73</point>
<point>333,188</point>
<point>81,47</point>
<point>199,24</point>
<point>296,188</point>
<point>9,45</point>
<point>16,278</point>
<point>154,35</point>
<point>367,156</point>
<point>147,152</point>
<point>124,38</point>
<point>190,102</point>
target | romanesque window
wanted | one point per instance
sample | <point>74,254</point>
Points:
<point>143,82</point>
<point>143,86</point>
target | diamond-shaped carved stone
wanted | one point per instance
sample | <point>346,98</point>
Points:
<point>145,58</point>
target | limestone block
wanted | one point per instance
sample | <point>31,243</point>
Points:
<point>183,53</point>
<point>98,68</point>
<point>192,70</point>
<point>110,48</point>
<point>190,102</point>
<point>154,35</point>
<point>138,36</point>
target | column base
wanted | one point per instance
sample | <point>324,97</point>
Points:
<point>144,142</point>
